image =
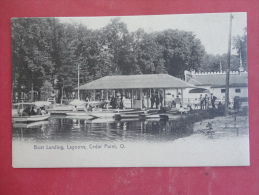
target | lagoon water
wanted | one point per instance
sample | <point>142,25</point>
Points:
<point>63,129</point>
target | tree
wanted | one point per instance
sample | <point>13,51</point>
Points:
<point>32,61</point>
<point>216,63</point>
<point>147,54</point>
<point>115,37</point>
<point>46,90</point>
<point>240,44</point>
<point>182,51</point>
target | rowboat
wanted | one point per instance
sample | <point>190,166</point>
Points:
<point>124,116</point>
<point>30,125</point>
<point>148,116</point>
<point>32,118</point>
<point>100,120</point>
<point>133,114</point>
<point>77,113</point>
<point>101,113</point>
<point>169,116</point>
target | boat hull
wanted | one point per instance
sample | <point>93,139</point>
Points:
<point>147,116</point>
<point>28,119</point>
<point>77,114</point>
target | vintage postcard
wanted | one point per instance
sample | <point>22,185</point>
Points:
<point>130,91</point>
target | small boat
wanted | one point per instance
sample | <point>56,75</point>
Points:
<point>122,110</point>
<point>106,113</point>
<point>100,120</point>
<point>124,116</point>
<point>32,118</point>
<point>92,114</point>
<point>111,113</point>
<point>77,113</point>
<point>169,116</point>
<point>147,116</point>
<point>102,114</point>
<point>136,112</point>
<point>57,112</point>
<point>30,125</point>
<point>86,117</point>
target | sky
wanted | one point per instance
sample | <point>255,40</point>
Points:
<point>211,29</point>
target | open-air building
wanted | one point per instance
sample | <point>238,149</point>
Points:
<point>136,89</point>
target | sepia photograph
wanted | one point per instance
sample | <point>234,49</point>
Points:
<point>130,91</point>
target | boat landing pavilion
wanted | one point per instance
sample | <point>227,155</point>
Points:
<point>137,89</point>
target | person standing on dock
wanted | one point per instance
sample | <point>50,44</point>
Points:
<point>152,99</point>
<point>205,102</point>
<point>173,105</point>
<point>213,99</point>
<point>144,100</point>
<point>122,102</point>
<point>177,102</point>
<point>161,100</point>
<point>113,102</point>
<point>201,101</point>
<point>157,100</point>
<point>196,103</point>
<point>118,100</point>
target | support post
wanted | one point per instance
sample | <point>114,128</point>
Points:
<point>164,98</point>
<point>94,95</point>
<point>182,95</point>
<point>147,100</point>
<point>107,98</point>
<point>141,98</point>
<point>131,98</point>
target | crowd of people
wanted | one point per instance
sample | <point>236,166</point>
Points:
<point>202,103</point>
<point>205,101</point>
<point>117,101</point>
<point>30,111</point>
<point>157,100</point>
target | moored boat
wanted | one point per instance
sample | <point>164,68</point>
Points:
<point>102,114</point>
<point>147,116</point>
<point>32,118</point>
<point>169,116</point>
<point>29,125</point>
<point>77,113</point>
<point>124,116</point>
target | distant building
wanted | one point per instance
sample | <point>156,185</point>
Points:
<point>215,82</point>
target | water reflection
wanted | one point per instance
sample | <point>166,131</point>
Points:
<point>77,130</point>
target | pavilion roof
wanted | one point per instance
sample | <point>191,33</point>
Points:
<point>137,82</point>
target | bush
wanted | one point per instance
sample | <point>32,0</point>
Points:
<point>184,125</point>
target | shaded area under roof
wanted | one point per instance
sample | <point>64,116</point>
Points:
<point>137,82</point>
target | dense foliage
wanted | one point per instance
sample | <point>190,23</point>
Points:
<point>219,62</point>
<point>47,52</point>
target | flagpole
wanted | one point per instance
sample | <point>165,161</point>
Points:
<point>228,67</point>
